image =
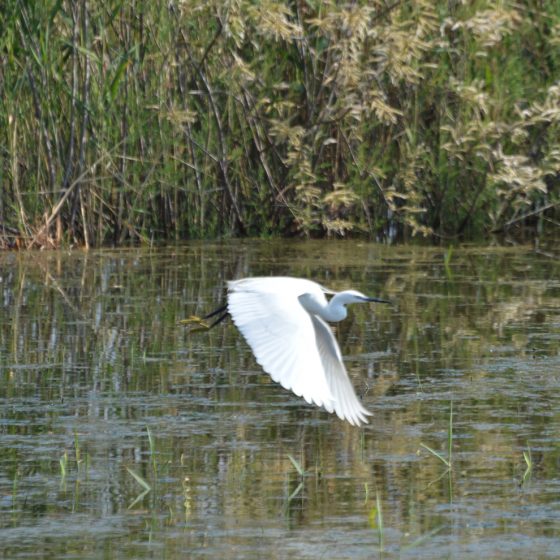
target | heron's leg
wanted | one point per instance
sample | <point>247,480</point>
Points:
<point>222,311</point>
<point>215,312</point>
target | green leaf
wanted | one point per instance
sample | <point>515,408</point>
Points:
<point>139,479</point>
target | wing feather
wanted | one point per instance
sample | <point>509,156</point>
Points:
<point>296,348</point>
<point>346,403</point>
<point>280,332</point>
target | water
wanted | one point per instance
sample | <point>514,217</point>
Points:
<point>122,435</point>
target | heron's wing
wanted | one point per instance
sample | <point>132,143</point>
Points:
<point>280,332</point>
<point>346,404</point>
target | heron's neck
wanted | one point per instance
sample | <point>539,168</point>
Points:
<point>332,311</point>
<point>335,310</point>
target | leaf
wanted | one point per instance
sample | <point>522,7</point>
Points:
<point>297,466</point>
<point>114,86</point>
<point>139,479</point>
<point>372,518</point>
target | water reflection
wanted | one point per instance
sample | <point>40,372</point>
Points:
<point>92,362</point>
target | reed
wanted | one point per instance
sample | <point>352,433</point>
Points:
<point>447,461</point>
<point>376,522</point>
<point>528,464</point>
<point>153,457</point>
<point>139,122</point>
<point>63,462</point>
<point>301,483</point>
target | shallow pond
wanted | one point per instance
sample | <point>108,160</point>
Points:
<point>122,434</point>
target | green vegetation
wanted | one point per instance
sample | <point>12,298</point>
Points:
<point>64,465</point>
<point>147,487</point>
<point>142,121</point>
<point>529,463</point>
<point>448,462</point>
<point>376,520</point>
<point>302,473</point>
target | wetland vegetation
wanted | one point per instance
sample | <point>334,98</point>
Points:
<point>136,124</point>
<point>148,121</point>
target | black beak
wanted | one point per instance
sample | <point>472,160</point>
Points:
<point>377,300</point>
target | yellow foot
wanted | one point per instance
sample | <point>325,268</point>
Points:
<point>194,324</point>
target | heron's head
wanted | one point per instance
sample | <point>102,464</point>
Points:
<point>353,296</point>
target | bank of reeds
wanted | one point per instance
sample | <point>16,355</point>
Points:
<point>169,120</point>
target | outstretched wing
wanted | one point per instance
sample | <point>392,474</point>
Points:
<point>346,404</point>
<point>281,334</point>
<point>296,348</point>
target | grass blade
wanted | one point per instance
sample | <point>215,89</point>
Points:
<point>139,479</point>
<point>297,465</point>
<point>436,454</point>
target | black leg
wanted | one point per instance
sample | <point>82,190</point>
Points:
<point>224,314</point>
<point>218,320</point>
<point>216,311</point>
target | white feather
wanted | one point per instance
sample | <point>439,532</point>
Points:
<point>292,342</point>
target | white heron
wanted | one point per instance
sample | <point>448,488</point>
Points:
<point>283,320</point>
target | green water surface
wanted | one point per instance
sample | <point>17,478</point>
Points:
<point>122,435</point>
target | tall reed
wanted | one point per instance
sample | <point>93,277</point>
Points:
<point>147,121</point>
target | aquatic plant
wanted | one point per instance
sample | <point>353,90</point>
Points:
<point>447,461</point>
<point>529,465</point>
<point>376,520</point>
<point>132,121</point>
